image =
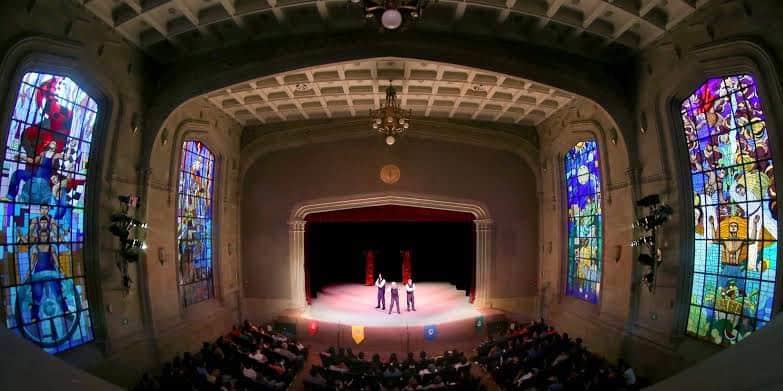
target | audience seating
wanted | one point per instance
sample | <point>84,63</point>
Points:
<point>536,357</point>
<point>342,370</point>
<point>248,358</point>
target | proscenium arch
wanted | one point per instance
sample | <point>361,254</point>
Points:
<point>589,79</point>
<point>482,222</point>
<point>714,60</point>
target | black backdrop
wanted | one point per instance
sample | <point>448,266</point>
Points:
<point>334,252</point>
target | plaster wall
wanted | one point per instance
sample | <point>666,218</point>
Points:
<point>278,181</point>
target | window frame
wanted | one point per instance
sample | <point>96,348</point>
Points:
<point>197,134</point>
<point>50,62</point>
<point>687,234</point>
<point>567,145</point>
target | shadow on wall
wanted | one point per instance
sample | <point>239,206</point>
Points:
<point>753,364</point>
<point>24,366</point>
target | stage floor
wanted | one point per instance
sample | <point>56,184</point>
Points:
<point>354,304</point>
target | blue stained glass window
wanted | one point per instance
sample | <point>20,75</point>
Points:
<point>194,223</point>
<point>43,289</point>
<point>735,211</point>
<point>585,221</point>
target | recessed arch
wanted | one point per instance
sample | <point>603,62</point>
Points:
<point>52,57</point>
<point>712,61</point>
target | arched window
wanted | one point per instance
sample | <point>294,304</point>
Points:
<point>585,221</point>
<point>194,223</point>
<point>735,214</point>
<point>44,290</point>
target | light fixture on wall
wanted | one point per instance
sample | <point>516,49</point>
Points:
<point>131,233</point>
<point>390,119</point>
<point>657,214</point>
<point>392,14</point>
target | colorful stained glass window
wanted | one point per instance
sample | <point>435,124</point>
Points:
<point>583,199</point>
<point>735,213</point>
<point>43,289</point>
<point>194,222</point>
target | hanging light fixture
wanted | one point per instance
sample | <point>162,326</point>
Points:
<point>392,13</point>
<point>390,119</point>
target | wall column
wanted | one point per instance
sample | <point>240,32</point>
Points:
<point>296,231</point>
<point>483,261</point>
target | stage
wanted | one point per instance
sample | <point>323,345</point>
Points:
<point>436,302</point>
<point>338,309</point>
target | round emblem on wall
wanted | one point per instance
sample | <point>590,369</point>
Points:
<point>390,174</point>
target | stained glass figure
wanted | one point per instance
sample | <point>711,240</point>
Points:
<point>42,285</point>
<point>194,223</point>
<point>735,213</point>
<point>585,221</point>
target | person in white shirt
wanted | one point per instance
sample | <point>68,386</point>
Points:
<point>381,284</point>
<point>395,298</point>
<point>409,289</point>
<point>249,373</point>
<point>258,356</point>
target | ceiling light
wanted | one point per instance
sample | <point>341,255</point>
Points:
<point>390,119</point>
<point>391,19</point>
<point>392,14</point>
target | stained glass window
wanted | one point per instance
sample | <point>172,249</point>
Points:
<point>43,289</point>
<point>194,222</point>
<point>583,199</point>
<point>735,213</point>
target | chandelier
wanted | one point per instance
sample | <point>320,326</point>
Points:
<point>390,120</point>
<point>392,13</point>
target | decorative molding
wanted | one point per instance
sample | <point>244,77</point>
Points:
<point>302,134</point>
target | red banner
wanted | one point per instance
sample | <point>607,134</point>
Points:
<point>406,265</point>
<point>369,268</point>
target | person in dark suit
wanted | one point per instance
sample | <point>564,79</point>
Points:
<point>381,284</point>
<point>395,298</point>
<point>409,289</point>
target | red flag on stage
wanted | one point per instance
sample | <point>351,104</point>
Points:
<point>369,268</point>
<point>406,265</point>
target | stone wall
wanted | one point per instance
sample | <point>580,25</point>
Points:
<point>134,332</point>
<point>727,37</point>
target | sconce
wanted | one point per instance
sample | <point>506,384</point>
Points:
<point>657,215</point>
<point>130,233</point>
<point>162,255</point>
<point>135,123</point>
<point>164,137</point>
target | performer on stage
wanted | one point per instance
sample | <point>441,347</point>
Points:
<point>381,284</point>
<point>395,298</point>
<point>409,289</point>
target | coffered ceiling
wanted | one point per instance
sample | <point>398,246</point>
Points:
<point>174,27</point>
<point>350,89</point>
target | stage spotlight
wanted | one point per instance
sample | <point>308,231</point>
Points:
<point>119,230</point>
<point>646,259</point>
<point>650,200</point>
<point>129,200</point>
<point>643,241</point>
<point>649,279</point>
